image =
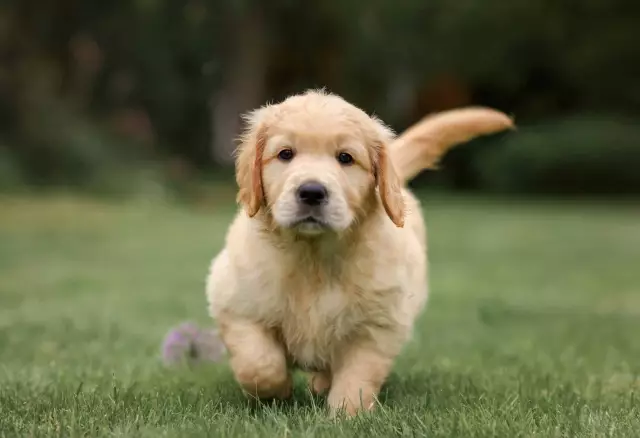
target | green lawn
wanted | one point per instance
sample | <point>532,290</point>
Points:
<point>532,329</point>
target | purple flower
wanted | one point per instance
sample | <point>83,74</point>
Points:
<point>189,344</point>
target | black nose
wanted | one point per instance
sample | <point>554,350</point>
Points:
<point>312,193</point>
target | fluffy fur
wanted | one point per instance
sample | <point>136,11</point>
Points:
<point>334,289</point>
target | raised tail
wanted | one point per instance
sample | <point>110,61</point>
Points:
<point>422,145</point>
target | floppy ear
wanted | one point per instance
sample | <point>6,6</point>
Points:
<point>389,187</point>
<point>249,170</point>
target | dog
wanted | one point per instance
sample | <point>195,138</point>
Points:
<point>325,265</point>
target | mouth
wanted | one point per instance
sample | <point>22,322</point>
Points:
<point>310,225</point>
<point>310,220</point>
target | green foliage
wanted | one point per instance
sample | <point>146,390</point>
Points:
<point>531,328</point>
<point>64,149</point>
<point>582,153</point>
<point>168,61</point>
<point>11,177</point>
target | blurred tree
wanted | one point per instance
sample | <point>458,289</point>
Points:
<point>244,77</point>
<point>171,78</point>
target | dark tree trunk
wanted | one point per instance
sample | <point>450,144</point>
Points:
<point>243,84</point>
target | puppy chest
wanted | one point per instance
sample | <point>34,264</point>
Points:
<point>316,324</point>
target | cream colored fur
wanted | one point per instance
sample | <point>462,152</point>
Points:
<point>341,301</point>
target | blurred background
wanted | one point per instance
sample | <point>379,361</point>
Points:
<point>114,96</point>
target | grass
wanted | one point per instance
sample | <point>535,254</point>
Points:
<point>532,329</point>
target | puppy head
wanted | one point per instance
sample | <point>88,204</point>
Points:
<point>313,161</point>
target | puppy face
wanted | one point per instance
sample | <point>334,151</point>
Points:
<point>313,161</point>
<point>315,181</point>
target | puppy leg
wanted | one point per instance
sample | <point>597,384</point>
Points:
<point>320,382</point>
<point>357,380</point>
<point>257,359</point>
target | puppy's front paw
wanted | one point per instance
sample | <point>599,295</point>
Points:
<point>264,377</point>
<point>257,359</point>
<point>351,401</point>
<point>357,380</point>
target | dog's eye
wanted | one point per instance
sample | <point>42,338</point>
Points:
<point>345,158</point>
<point>285,155</point>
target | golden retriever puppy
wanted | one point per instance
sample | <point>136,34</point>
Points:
<point>325,266</point>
